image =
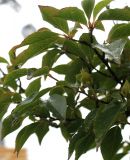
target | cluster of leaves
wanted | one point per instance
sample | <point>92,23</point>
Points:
<point>97,72</point>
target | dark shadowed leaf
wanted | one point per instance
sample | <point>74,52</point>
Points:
<point>105,117</point>
<point>111,143</point>
<point>49,14</point>
<point>88,6</point>
<point>73,142</point>
<point>72,14</point>
<point>84,144</point>
<point>116,14</point>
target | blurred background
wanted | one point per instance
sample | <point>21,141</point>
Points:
<point>20,18</point>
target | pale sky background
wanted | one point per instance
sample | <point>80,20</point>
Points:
<point>53,145</point>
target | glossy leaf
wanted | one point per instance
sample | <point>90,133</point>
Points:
<point>33,87</point>
<point>99,6</point>
<point>58,105</point>
<point>103,122</point>
<point>49,14</point>
<point>116,14</point>
<point>39,128</point>
<point>114,50</point>
<point>88,6</point>
<point>72,14</point>
<point>111,143</point>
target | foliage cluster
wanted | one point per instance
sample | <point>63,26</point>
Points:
<point>96,78</point>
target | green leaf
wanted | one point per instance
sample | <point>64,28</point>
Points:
<point>88,6</point>
<point>99,6</point>
<point>105,118</point>
<point>61,69</point>
<point>116,14</point>
<point>37,72</point>
<point>14,75</point>
<point>99,25</point>
<point>50,58</point>
<point>40,128</point>
<point>119,31</point>
<point>3,109</point>
<point>111,143</point>
<point>10,124</point>
<point>33,87</point>
<point>84,144</point>
<point>3,60</point>
<point>58,105</point>
<point>72,14</point>
<point>35,49</point>
<point>49,14</point>
<point>119,156</point>
<point>114,50</point>
<point>73,142</point>
<point>125,90</point>
<point>38,37</point>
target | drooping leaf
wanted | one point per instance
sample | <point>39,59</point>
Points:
<point>105,117</point>
<point>10,124</point>
<point>73,142</point>
<point>119,31</point>
<point>49,14</point>
<point>33,87</point>
<point>114,50</point>
<point>111,143</point>
<point>99,6</point>
<point>88,6</point>
<point>3,60</point>
<point>39,128</point>
<point>3,109</point>
<point>84,144</point>
<point>58,105</point>
<point>116,14</point>
<point>72,14</point>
